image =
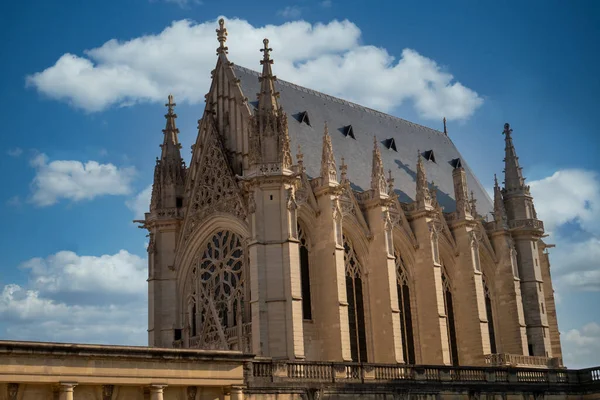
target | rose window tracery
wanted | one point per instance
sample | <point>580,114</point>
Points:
<point>216,292</point>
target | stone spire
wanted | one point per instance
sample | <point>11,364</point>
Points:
<point>513,176</point>
<point>423,196</point>
<point>267,98</point>
<point>300,159</point>
<point>390,183</point>
<point>378,183</point>
<point>473,203</point>
<point>171,145</point>
<point>461,193</point>
<point>269,138</point>
<point>222,37</point>
<point>343,172</point>
<point>499,211</point>
<point>169,172</point>
<point>328,168</point>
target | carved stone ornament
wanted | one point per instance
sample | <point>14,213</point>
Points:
<point>12,391</point>
<point>291,199</point>
<point>191,392</point>
<point>251,203</point>
<point>107,392</point>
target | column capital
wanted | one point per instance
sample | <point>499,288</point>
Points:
<point>67,386</point>
<point>157,387</point>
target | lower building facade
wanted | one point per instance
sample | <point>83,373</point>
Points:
<point>58,371</point>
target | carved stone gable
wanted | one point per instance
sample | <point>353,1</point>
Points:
<point>214,185</point>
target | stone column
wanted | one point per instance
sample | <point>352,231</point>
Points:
<point>237,393</point>
<point>66,390</point>
<point>12,391</point>
<point>156,392</point>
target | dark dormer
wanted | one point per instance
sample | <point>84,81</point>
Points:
<point>303,117</point>
<point>390,144</point>
<point>429,156</point>
<point>348,131</point>
<point>456,163</point>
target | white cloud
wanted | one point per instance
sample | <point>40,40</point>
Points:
<point>15,152</point>
<point>74,298</point>
<point>290,12</point>
<point>140,204</point>
<point>326,57</point>
<point>74,180</point>
<point>581,347</point>
<point>326,3</point>
<point>572,196</point>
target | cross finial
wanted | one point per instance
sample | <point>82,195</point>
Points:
<point>170,104</point>
<point>222,37</point>
<point>507,130</point>
<point>266,50</point>
<point>445,131</point>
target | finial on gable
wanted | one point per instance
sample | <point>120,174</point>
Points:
<point>445,130</point>
<point>170,105</point>
<point>222,37</point>
<point>266,52</point>
<point>344,171</point>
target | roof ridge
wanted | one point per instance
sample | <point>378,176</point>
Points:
<point>342,101</point>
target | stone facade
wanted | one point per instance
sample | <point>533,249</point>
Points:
<point>249,252</point>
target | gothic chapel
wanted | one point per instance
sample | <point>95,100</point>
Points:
<point>306,227</point>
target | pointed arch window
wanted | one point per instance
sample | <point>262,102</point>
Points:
<point>490,316</point>
<point>450,322</point>
<point>356,309</point>
<point>406,329</point>
<point>305,273</point>
<point>216,288</point>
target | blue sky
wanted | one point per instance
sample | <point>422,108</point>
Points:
<point>83,119</point>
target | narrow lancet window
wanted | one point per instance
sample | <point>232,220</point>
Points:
<point>305,274</point>
<point>450,322</point>
<point>356,310</point>
<point>490,316</point>
<point>408,344</point>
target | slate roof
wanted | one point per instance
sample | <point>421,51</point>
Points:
<point>358,151</point>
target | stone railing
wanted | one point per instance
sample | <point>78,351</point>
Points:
<point>273,373</point>
<point>519,360</point>
<point>526,223</point>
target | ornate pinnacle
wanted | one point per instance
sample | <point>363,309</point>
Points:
<point>343,171</point>
<point>473,205</point>
<point>377,174</point>
<point>390,182</point>
<point>222,37</point>
<point>300,158</point>
<point>499,210</point>
<point>328,168</point>
<point>507,130</point>
<point>170,105</point>
<point>433,191</point>
<point>266,52</point>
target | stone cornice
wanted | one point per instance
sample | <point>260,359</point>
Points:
<point>14,348</point>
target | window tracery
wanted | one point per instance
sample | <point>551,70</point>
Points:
<point>490,315</point>
<point>450,322</point>
<point>408,346</point>
<point>356,311</point>
<point>305,273</point>
<point>216,289</point>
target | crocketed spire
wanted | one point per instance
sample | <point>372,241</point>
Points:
<point>328,167</point>
<point>378,183</point>
<point>267,98</point>
<point>513,176</point>
<point>499,210</point>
